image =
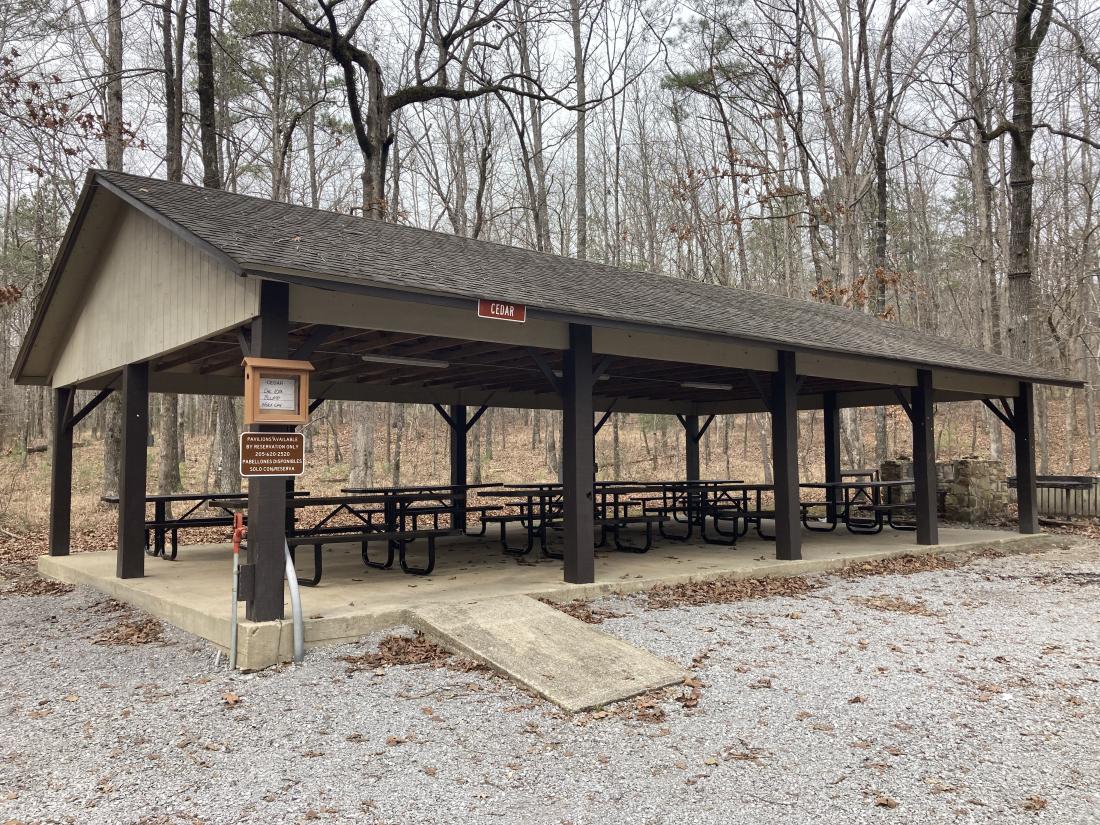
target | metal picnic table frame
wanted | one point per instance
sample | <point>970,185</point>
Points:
<point>856,495</point>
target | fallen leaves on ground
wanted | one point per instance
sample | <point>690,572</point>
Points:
<point>723,591</point>
<point>410,650</point>
<point>690,698</point>
<point>1034,803</point>
<point>905,565</point>
<point>133,632</point>
<point>24,582</point>
<point>583,610</point>
<point>894,604</point>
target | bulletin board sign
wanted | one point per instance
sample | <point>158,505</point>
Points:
<point>276,391</point>
<point>272,454</point>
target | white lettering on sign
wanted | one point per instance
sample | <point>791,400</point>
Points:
<point>272,454</point>
<point>501,311</point>
<point>278,394</point>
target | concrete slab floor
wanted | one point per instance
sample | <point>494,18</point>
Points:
<point>193,592</point>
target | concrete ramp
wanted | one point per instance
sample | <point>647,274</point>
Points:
<point>558,657</point>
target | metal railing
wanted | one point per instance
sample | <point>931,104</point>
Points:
<point>1066,496</point>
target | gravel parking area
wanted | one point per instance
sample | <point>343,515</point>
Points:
<point>959,695</point>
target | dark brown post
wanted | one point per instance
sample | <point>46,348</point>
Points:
<point>691,445</point>
<point>784,411</point>
<point>578,456</point>
<point>831,412</point>
<point>924,459</point>
<point>61,472</point>
<point>267,496</point>
<point>1024,430</point>
<point>458,457</point>
<point>130,558</point>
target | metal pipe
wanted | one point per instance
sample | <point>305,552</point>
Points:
<point>295,607</point>
<point>238,534</point>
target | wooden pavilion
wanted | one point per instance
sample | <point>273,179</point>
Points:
<point>163,287</point>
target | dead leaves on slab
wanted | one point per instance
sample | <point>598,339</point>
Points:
<point>583,610</point>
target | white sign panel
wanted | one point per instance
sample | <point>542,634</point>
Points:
<point>278,394</point>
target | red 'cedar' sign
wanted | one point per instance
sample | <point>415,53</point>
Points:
<point>501,311</point>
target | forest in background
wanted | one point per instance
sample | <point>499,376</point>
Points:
<point>931,164</point>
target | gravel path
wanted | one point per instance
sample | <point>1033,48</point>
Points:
<point>967,695</point>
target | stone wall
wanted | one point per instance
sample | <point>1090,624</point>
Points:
<point>978,492</point>
<point>972,489</point>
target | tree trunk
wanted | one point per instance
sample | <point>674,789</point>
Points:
<point>208,133</point>
<point>227,472</point>
<point>114,133</point>
<point>168,477</point>
<point>582,125</point>
<point>169,454</point>
<point>362,446</point>
<point>115,148</point>
<point>1026,43</point>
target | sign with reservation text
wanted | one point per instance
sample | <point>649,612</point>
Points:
<point>272,454</point>
<point>501,311</point>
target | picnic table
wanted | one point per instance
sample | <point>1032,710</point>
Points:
<point>162,524</point>
<point>439,492</point>
<point>393,515</point>
<point>843,498</point>
<point>539,507</point>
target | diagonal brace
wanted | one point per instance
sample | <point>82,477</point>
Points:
<point>905,405</point>
<point>605,417</point>
<point>99,398</point>
<point>1006,418</point>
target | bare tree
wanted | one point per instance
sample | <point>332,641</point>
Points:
<point>452,60</point>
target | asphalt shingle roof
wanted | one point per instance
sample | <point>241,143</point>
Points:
<point>257,234</point>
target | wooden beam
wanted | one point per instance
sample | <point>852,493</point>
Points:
<point>446,416</point>
<point>548,373</point>
<point>61,472</point>
<point>130,556</point>
<point>267,496</point>
<point>924,459</point>
<point>456,418</point>
<point>784,412</point>
<point>99,398</point>
<point>904,402</point>
<point>579,457</point>
<point>1024,431</point>
<point>691,446</point>
<point>317,336</point>
<point>831,425</point>
<point>604,417</point>
<point>706,426</point>
<point>1005,419</point>
<point>477,416</point>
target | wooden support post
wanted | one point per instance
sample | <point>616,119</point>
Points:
<point>831,413</point>
<point>579,457</point>
<point>784,412</point>
<point>267,496</point>
<point>459,442</point>
<point>691,444</point>
<point>130,556</point>
<point>924,459</point>
<point>61,472</point>
<point>1024,431</point>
